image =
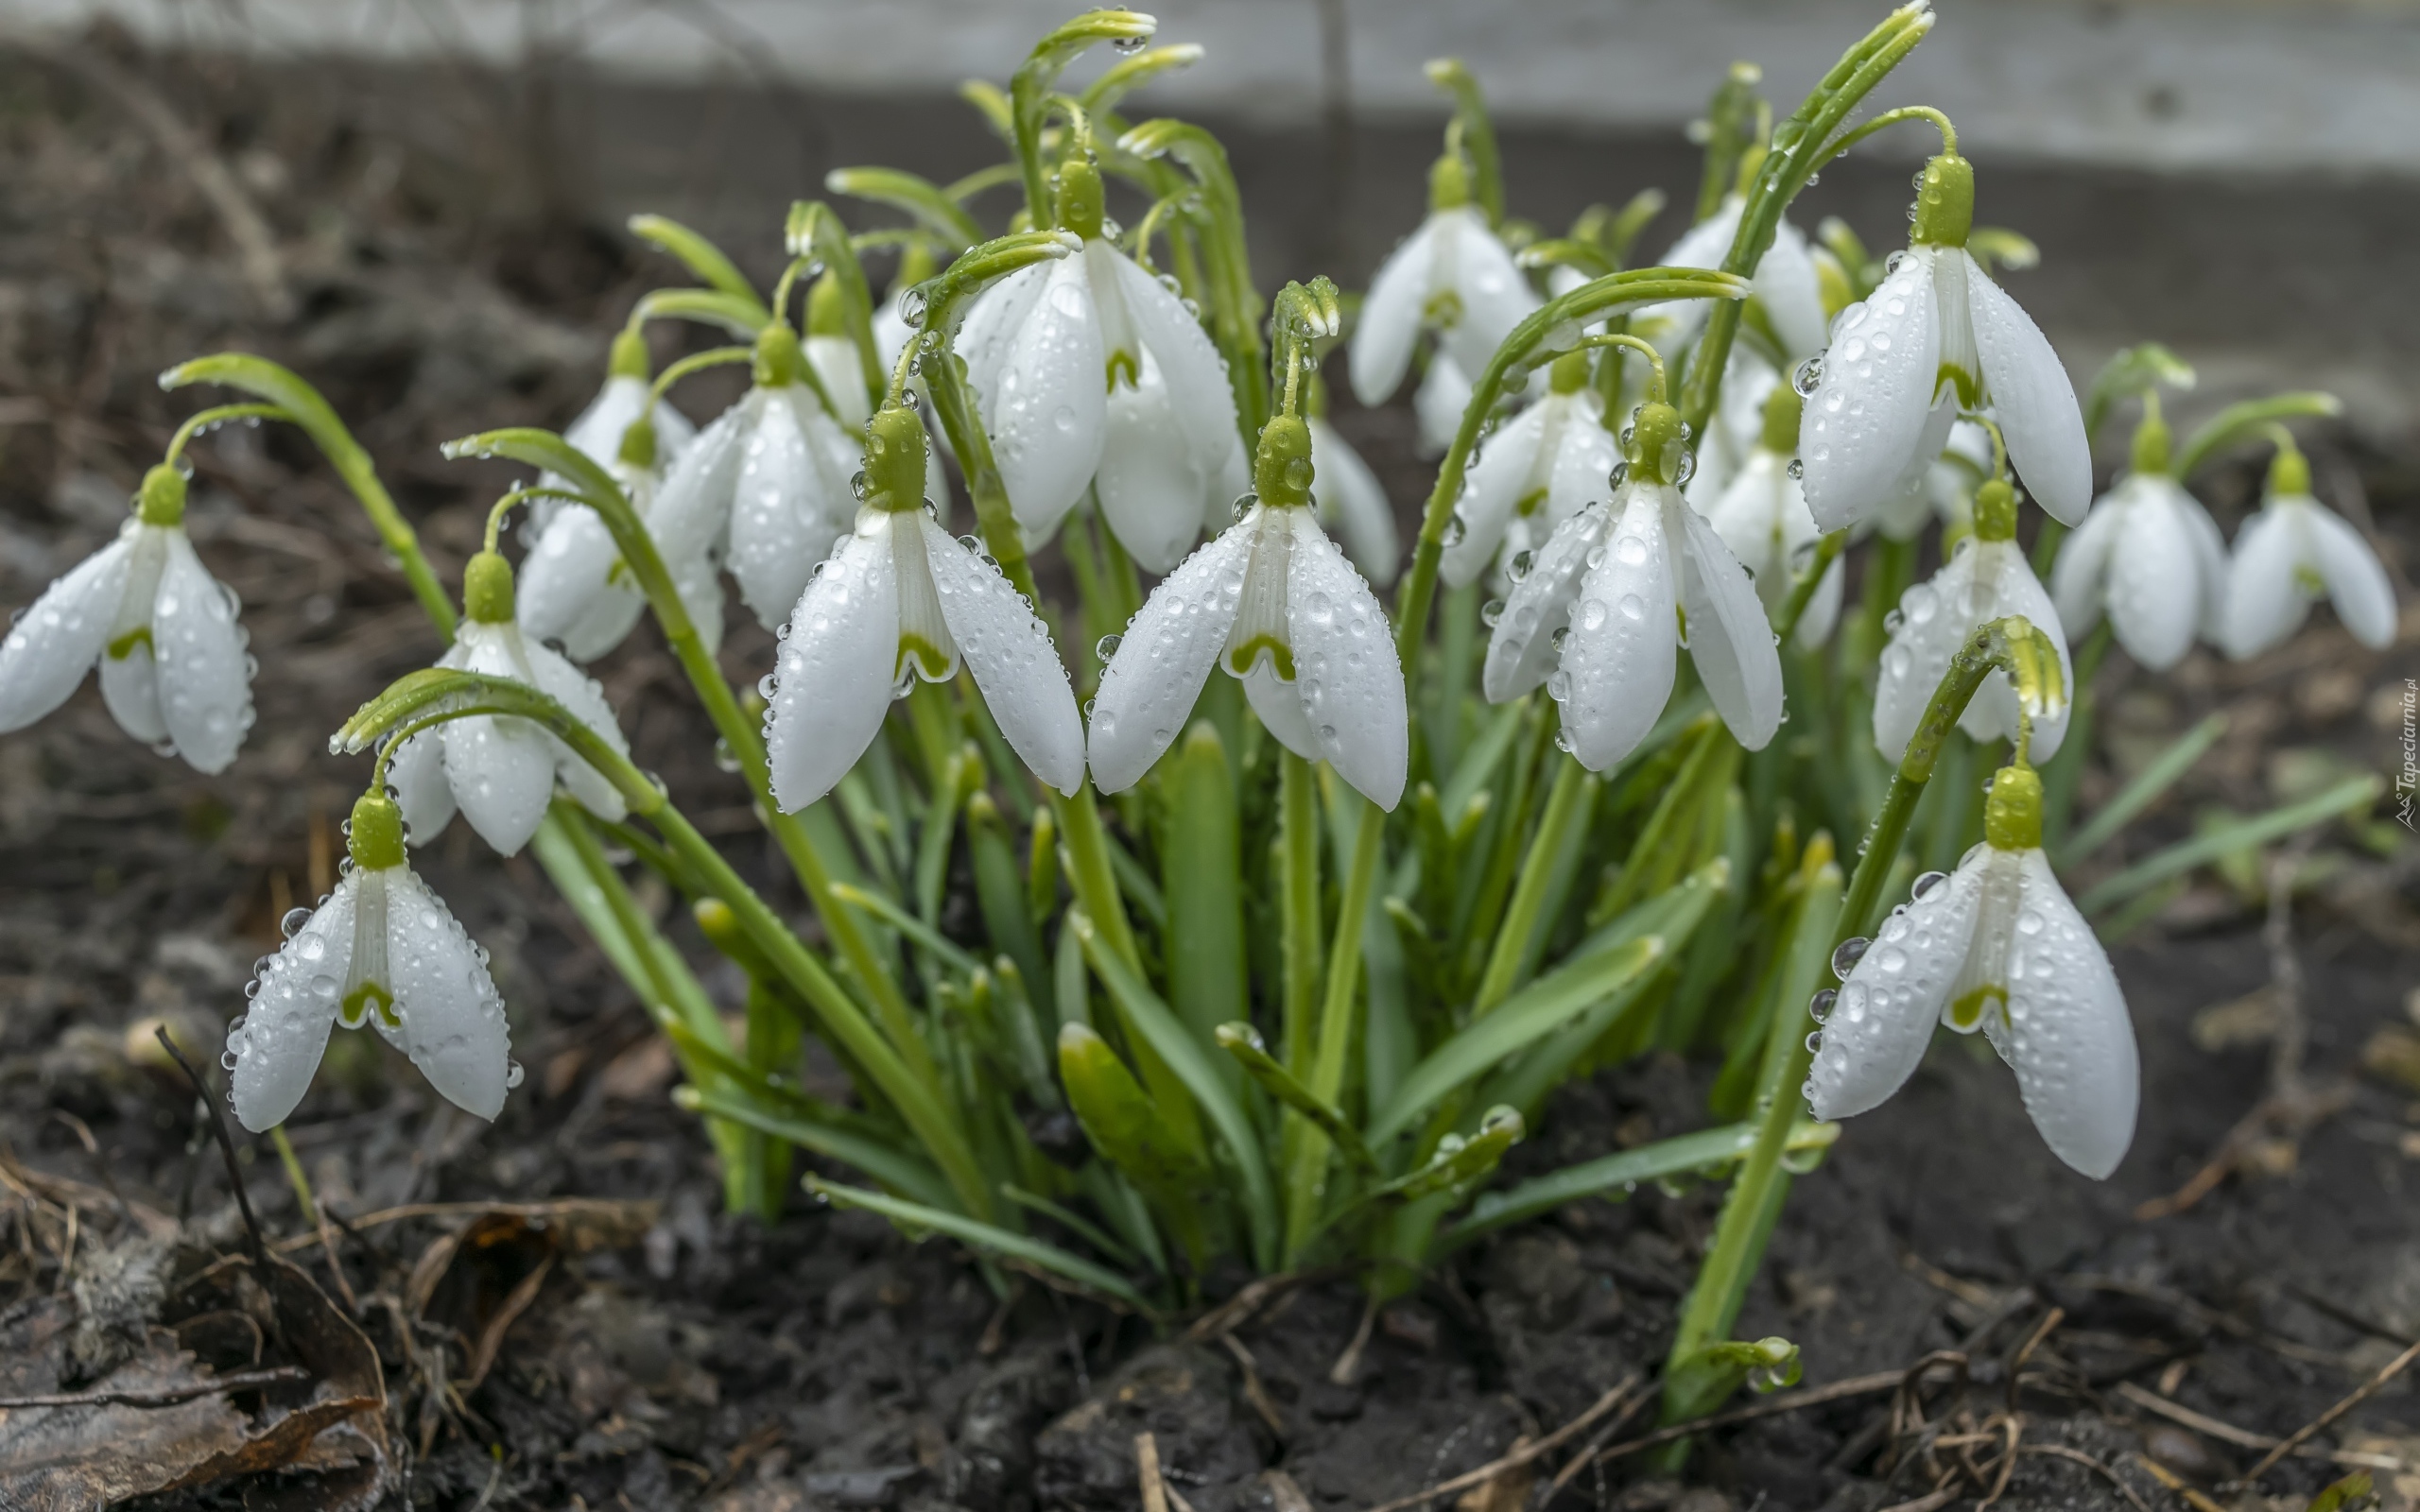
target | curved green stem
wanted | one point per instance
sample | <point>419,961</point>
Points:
<point>1559,319</point>
<point>210,420</point>
<point>1130,73</point>
<point>302,403</point>
<point>1030,89</point>
<point>2236,422</point>
<point>1801,588</point>
<point>741,317</point>
<point>1906,112</point>
<point>1479,133</point>
<point>1564,806</point>
<point>932,206</point>
<point>504,504</point>
<point>1800,145</point>
<point>702,258</point>
<point>696,362</point>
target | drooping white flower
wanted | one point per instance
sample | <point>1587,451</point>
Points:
<point>1535,472</point>
<point>2152,555</point>
<point>501,772</point>
<point>899,598</point>
<point>1274,603</point>
<point>1986,578</point>
<point>1996,946</point>
<point>767,484</point>
<point>1438,404</point>
<point>1937,336</point>
<point>1614,595</point>
<point>1785,281</point>
<point>833,356</point>
<point>2291,553</point>
<point>1748,382</point>
<point>1353,506</point>
<point>577,589</point>
<point>1762,517</point>
<point>597,431</point>
<point>381,950</point>
<point>1452,276</point>
<point>162,631</point>
<point>1088,371</point>
<point>1943,489</point>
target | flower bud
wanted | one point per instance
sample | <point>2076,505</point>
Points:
<point>780,361</point>
<point>1945,201</point>
<point>895,461</point>
<point>1996,511</point>
<point>375,838</point>
<point>1080,197</point>
<point>1657,444</point>
<point>2013,813</point>
<point>162,499</point>
<point>1282,468</point>
<point>2289,474</point>
<point>487,589</point>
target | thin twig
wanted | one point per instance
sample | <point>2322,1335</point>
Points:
<point>1519,1456</point>
<point>2199,1501</point>
<point>226,1148</point>
<point>1773,1407</point>
<point>2063,1452</point>
<point>1147,1470</point>
<point>164,1396</point>
<point>1589,1450</point>
<point>2363,1392</point>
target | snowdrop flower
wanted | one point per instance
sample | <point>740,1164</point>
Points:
<point>575,586</point>
<point>1354,505</point>
<point>892,327</point>
<point>1438,403</point>
<point>1537,470</point>
<point>1994,945</point>
<point>1937,336</point>
<point>833,356</point>
<point>1762,517</point>
<point>2293,552</point>
<point>1986,578</point>
<point>1943,489</point>
<point>900,599</point>
<point>1617,591</point>
<point>174,671</point>
<point>380,949</point>
<point>767,484</point>
<point>1452,276</point>
<point>1738,423</point>
<point>1788,288</point>
<point>2150,555</point>
<point>1274,603</point>
<point>1088,371</point>
<point>500,772</point>
<point>598,430</point>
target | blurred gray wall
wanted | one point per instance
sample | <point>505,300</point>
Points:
<point>2239,180</point>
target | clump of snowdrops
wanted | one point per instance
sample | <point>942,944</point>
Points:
<point>1274,965</point>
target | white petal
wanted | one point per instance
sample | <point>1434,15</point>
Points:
<point>1496,479</point>
<point>581,693</point>
<point>1823,614</point>
<point>834,675</point>
<point>280,1040</point>
<point>999,312</point>
<point>1047,405</point>
<point>1908,505</point>
<point>2155,590</point>
<point>416,773</point>
<point>2265,605</point>
<point>1279,704</point>
<point>1864,423</point>
<point>1345,667</point>
<point>1438,404</point>
<point>1792,296</point>
<point>1163,658</point>
<point>2069,1037</point>
<point>1354,505</point>
<point>692,509</point>
<point>55,642</point>
<point>2211,556</point>
<point>1150,489</point>
<point>1190,363</point>
<point>130,689</point>
<point>205,677</point>
<point>2357,585</point>
<point>1703,244</point>
<point>1730,640</point>
<point>2006,585</point>
<point>2079,576</point>
<point>1619,662</point>
<point>1008,651</point>
<point>787,506</point>
<point>453,1018</point>
<point>1390,320</point>
<point>501,771</point>
<point>1582,465</point>
<point>1747,515</point>
<point>1876,1034</point>
<point>2032,398</point>
<point>563,592</point>
<point>1495,294</point>
<point>1521,650</point>
<point>843,377</point>
<point>1934,623</point>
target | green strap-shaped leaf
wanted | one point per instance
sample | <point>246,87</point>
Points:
<point>702,258</point>
<point>1523,1019</point>
<point>1201,863</point>
<point>1244,1044</point>
<point>987,1238</point>
<point>1132,1134</point>
<point>919,197</point>
<point>902,1172</point>
<point>1704,1153</point>
<point>2353,795</point>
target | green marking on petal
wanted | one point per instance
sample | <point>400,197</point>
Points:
<point>921,654</point>
<point>1123,365</point>
<point>1528,503</point>
<point>1966,1012</point>
<point>1970,389</point>
<point>124,646</point>
<point>1241,660</point>
<point>2306,577</point>
<point>355,1008</point>
<point>1443,310</point>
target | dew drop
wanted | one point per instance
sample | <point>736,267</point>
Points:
<point>1845,957</point>
<point>1925,883</point>
<point>293,921</point>
<point>1797,468</point>
<point>1819,1007</point>
<point>1107,645</point>
<point>1809,377</point>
